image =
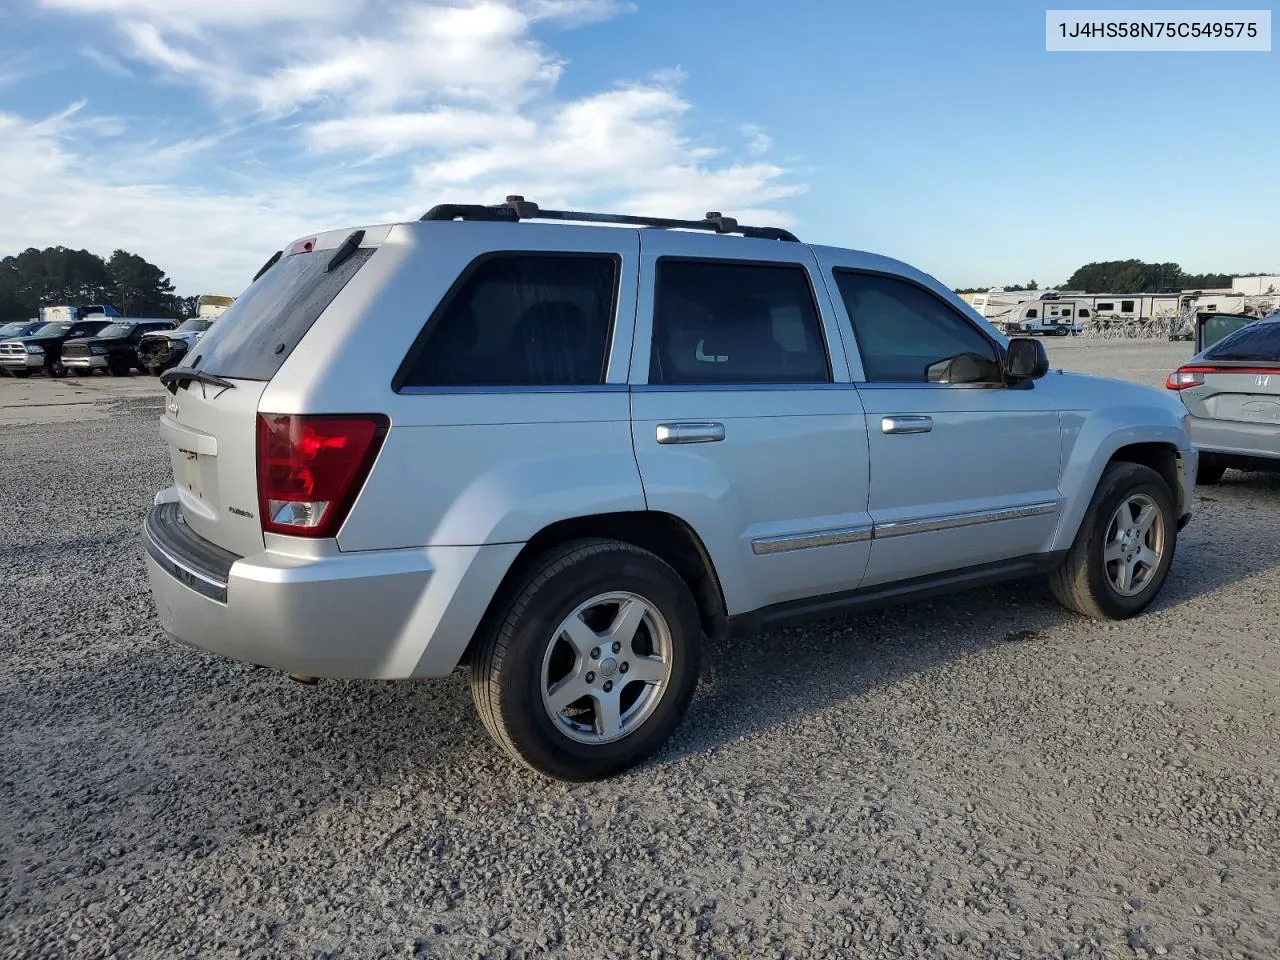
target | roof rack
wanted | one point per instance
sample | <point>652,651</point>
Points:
<point>517,208</point>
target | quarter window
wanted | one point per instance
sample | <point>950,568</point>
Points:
<point>522,319</point>
<point>905,332</point>
<point>723,322</point>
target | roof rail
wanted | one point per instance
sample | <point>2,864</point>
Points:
<point>517,208</point>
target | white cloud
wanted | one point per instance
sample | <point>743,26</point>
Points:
<point>758,142</point>
<point>106,62</point>
<point>477,53</point>
<point>191,15</point>
<point>383,134</point>
<point>342,113</point>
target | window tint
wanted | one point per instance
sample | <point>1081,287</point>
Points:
<point>1106,306</point>
<point>114,330</point>
<point>523,319</point>
<point>1084,311</point>
<point>721,322</point>
<point>902,330</point>
<point>1255,341</point>
<point>1126,306</point>
<point>1031,314</point>
<point>252,340</point>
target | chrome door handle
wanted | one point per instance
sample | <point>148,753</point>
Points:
<point>690,432</point>
<point>906,424</point>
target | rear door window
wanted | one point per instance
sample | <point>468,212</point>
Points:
<point>252,340</point>
<point>520,319</point>
<point>729,322</point>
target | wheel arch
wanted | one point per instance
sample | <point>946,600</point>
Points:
<point>1161,454</point>
<point>665,535</point>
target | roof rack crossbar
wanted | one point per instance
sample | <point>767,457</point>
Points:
<point>517,208</point>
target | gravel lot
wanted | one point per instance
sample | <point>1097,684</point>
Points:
<point>981,776</point>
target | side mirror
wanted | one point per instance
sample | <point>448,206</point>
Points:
<point>962,368</point>
<point>1025,359</point>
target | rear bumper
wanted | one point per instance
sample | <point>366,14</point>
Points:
<point>386,615</point>
<point>1235,437</point>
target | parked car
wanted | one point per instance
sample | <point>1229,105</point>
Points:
<point>162,349</point>
<point>1232,392</point>
<point>18,328</point>
<point>42,348</point>
<point>114,347</point>
<point>585,447</point>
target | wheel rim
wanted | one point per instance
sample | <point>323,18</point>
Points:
<point>1134,545</point>
<point>606,667</point>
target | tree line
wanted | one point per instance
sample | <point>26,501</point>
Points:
<point>1132,276</point>
<point>60,275</point>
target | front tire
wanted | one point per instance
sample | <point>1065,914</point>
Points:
<point>1124,548</point>
<point>118,366</point>
<point>591,662</point>
<point>55,368</point>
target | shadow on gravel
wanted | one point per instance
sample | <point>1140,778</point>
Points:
<point>752,684</point>
<point>1228,538</point>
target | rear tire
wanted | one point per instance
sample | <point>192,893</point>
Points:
<point>550,639</point>
<point>1210,470</point>
<point>1112,539</point>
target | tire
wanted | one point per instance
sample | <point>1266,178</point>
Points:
<point>118,366</point>
<point>20,374</point>
<point>1084,582</point>
<point>523,655</point>
<point>54,367</point>
<point>1210,470</point>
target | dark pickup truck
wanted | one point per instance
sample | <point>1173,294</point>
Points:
<point>113,348</point>
<point>42,348</point>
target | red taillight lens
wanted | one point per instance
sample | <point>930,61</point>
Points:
<point>1185,377</point>
<point>310,469</point>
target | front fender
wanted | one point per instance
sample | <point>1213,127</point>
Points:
<point>1090,439</point>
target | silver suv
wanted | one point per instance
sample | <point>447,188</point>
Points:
<point>562,454</point>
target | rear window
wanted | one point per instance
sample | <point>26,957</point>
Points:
<point>1257,341</point>
<point>520,319</point>
<point>252,340</point>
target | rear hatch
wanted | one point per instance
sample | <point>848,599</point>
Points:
<point>210,420</point>
<point>1239,376</point>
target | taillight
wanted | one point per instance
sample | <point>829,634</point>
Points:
<point>1185,377</point>
<point>310,469</point>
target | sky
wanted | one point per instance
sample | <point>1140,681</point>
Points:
<point>206,134</point>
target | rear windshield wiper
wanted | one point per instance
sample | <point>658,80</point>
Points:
<point>344,252</point>
<point>172,378</point>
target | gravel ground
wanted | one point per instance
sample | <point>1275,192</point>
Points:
<point>981,776</point>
